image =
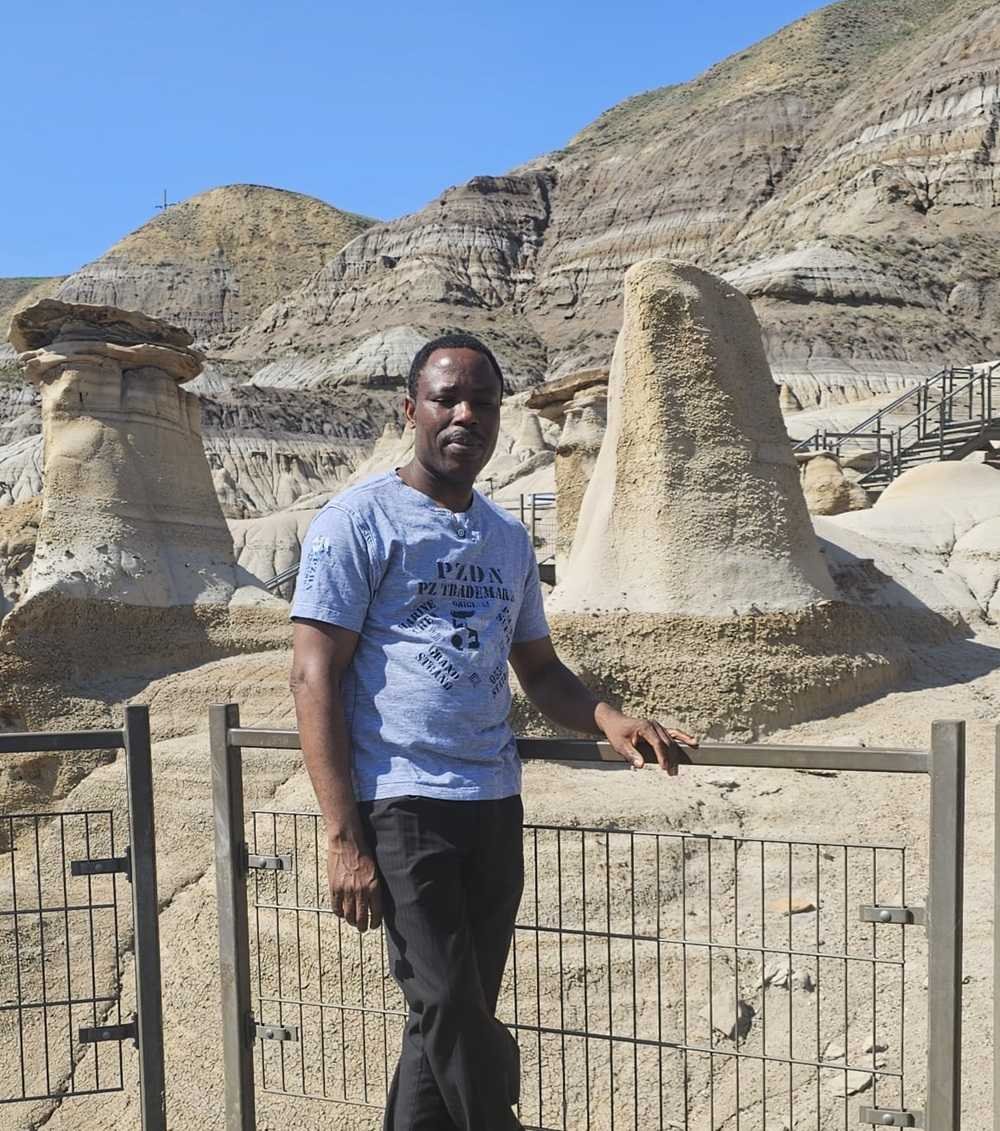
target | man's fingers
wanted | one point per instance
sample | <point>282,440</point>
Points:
<point>630,754</point>
<point>667,751</point>
<point>682,736</point>
<point>375,907</point>
<point>361,910</point>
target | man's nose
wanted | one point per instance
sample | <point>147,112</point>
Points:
<point>464,413</point>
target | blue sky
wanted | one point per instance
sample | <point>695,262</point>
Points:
<point>374,107</point>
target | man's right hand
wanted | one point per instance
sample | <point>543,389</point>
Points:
<point>354,890</point>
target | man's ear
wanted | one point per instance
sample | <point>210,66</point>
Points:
<point>409,408</point>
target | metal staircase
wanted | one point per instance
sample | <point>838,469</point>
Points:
<point>947,417</point>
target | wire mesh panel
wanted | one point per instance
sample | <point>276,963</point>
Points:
<point>59,946</point>
<point>699,982</point>
<point>676,981</point>
<point>313,972</point>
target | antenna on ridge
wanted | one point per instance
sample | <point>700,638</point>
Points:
<point>166,203</point>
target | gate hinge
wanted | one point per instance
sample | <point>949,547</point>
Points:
<point>275,1032</point>
<point>906,916</point>
<point>99,1033</point>
<point>103,866</point>
<point>887,1117</point>
<point>256,862</point>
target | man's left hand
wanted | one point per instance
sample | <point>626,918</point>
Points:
<point>626,736</point>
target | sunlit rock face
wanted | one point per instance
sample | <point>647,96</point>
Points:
<point>695,584</point>
<point>129,511</point>
<point>132,568</point>
<point>694,506</point>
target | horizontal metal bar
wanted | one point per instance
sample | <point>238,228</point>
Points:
<point>901,916</point>
<point>102,866</point>
<point>50,815</point>
<point>254,738</point>
<point>340,1007</point>
<point>59,909</point>
<point>258,863</point>
<point>604,831</point>
<point>679,1046</point>
<point>623,936</point>
<point>96,1034</point>
<point>53,1003</point>
<point>27,742</point>
<point>264,1032</point>
<point>614,1038</point>
<point>120,1087</point>
<point>764,951</point>
<point>889,1117</point>
<point>335,1100</point>
<point>732,754</point>
<point>716,837</point>
<point>764,756</point>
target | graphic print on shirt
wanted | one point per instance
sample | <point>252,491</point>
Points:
<point>320,551</point>
<point>453,613</point>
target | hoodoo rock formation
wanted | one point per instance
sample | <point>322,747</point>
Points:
<point>695,464</point>
<point>133,571</point>
<point>580,440</point>
<point>694,552</point>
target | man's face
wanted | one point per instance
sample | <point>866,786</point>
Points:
<point>456,414</point>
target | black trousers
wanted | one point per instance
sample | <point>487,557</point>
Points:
<point>451,874</point>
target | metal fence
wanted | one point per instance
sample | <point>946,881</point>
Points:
<point>671,980</point>
<point>62,921</point>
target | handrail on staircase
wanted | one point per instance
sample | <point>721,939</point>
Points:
<point>803,445</point>
<point>983,378</point>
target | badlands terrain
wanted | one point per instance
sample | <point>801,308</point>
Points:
<point>834,188</point>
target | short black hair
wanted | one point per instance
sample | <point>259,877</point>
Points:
<point>456,341</point>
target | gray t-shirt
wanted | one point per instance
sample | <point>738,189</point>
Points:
<point>438,598</point>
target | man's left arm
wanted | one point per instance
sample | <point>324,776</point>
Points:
<point>561,696</point>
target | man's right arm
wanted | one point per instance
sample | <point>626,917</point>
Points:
<point>321,654</point>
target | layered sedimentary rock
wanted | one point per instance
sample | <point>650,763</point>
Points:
<point>467,259</point>
<point>840,172</point>
<point>211,263</point>
<point>695,583</point>
<point>133,568</point>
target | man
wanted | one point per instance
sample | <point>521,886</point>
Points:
<point>413,593</point>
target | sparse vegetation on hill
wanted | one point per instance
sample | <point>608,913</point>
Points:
<point>214,262</point>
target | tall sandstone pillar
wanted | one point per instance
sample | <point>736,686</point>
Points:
<point>695,588</point>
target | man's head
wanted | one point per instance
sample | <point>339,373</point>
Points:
<point>453,401</point>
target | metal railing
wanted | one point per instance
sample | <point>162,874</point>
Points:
<point>61,977</point>
<point>680,980</point>
<point>950,410</point>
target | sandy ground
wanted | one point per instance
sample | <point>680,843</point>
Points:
<point>617,980</point>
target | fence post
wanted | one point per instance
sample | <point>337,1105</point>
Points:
<point>996,941</point>
<point>234,930</point>
<point>944,923</point>
<point>145,918</point>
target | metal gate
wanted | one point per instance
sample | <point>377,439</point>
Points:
<point>62,918</point>
<point>667,980</point>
